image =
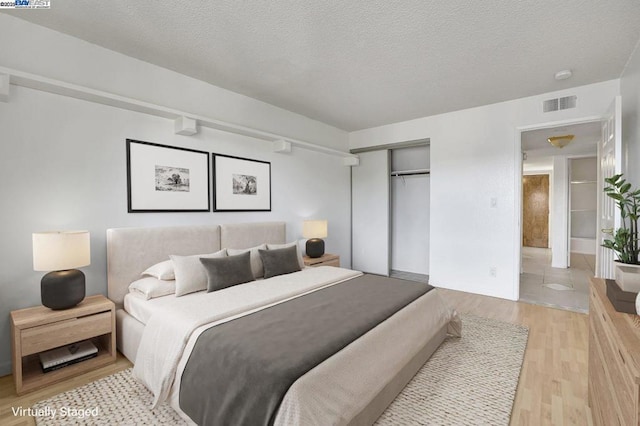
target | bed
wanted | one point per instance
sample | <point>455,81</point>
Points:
<point>160,336</point>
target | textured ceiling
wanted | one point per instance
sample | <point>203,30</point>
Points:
<point>363,63</point>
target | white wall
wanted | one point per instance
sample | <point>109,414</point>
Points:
<point>630,91</point>
<point>410,211</point>
<point>65,166</point>
<point>474,153</point>
<point>41,51</point>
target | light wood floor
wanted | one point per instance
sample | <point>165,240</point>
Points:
<point>553,381</point>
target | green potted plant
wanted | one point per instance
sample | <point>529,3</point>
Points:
<point>625,239</point>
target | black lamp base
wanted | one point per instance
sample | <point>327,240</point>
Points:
<point>315,247</point>
<point>62,289</point>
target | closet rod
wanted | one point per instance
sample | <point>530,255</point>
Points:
<point>411,172</point>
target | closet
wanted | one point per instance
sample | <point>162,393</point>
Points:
<point>583,204</point>
<point>390,212</point>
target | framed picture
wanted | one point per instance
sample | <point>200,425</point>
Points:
<point>241,184</point>
<point>163,178</point>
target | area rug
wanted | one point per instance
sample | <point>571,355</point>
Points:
<point>468,381</point>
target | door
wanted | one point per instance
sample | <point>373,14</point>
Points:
<point>535,211</point>
<point>609,153</point>
<point>370,213</point>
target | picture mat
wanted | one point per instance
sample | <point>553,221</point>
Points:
<point>225,168</point>
<point>143,160</point>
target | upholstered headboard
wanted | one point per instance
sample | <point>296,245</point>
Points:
<point>132,250</point>
<point>245,235</point>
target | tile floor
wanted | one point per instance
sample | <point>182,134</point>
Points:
<point>567,289</point>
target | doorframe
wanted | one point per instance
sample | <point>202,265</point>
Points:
<point>517,162</point>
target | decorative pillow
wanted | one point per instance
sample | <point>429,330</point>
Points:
<point>190,274</point>
<point>256,261</point>
<point>227,271</point>
<point>151,287</point>
<point>162,271</point>
<point>279,261</point>
<point>281,246</point>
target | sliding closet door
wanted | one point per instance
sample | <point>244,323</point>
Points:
<point>370,213</point>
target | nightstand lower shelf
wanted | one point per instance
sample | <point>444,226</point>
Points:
<point>33,378</point>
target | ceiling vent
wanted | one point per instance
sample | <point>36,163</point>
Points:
<point>559,103</point>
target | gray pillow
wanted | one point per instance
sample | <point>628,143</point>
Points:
<point>279,261</point>
<point>227,271</point>
<point>294,243</point>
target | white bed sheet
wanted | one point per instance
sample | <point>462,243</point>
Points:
<point>142,309</point>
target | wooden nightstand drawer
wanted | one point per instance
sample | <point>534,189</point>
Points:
<point>44,337</point>
<point>326,259</point>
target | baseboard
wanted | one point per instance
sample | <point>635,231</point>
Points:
<point>481,292</point>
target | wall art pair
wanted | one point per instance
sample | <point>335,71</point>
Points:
<point>162,178</point>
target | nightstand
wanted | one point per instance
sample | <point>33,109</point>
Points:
<point>38,329</point>
<point>326,259</point>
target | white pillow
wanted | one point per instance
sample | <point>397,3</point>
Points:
<point>151,287</point>
<point>162,271</point>
<point>256,261</point>
<point>281,246</point>
<point>190,274</point>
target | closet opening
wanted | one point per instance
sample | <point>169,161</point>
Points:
<point>409,213</point>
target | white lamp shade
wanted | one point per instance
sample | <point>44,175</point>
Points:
<point>61,250</point>
<point>314,229</point>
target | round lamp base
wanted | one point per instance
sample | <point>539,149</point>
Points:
<point>315,247</point>
<point>62,289</point>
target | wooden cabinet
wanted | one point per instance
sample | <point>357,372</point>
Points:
<point>38,329</point>
<point>614,361</point>
<point>326,259</point>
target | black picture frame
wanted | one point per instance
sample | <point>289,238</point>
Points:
<point>148,192</point>
<point>233,187</point>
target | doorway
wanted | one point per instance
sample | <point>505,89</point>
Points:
<point>557,260</point>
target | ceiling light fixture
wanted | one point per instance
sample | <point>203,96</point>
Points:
<point>560,141</point>
<point>563,75</point>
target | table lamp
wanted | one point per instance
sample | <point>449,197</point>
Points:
<point>315,230</point>
<point>59,253</point>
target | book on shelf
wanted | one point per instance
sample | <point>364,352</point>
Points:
<point>67,355</point>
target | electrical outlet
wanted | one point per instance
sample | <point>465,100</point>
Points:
<point>493,271</point>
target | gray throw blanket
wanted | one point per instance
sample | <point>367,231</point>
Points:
<point>239,371</point>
